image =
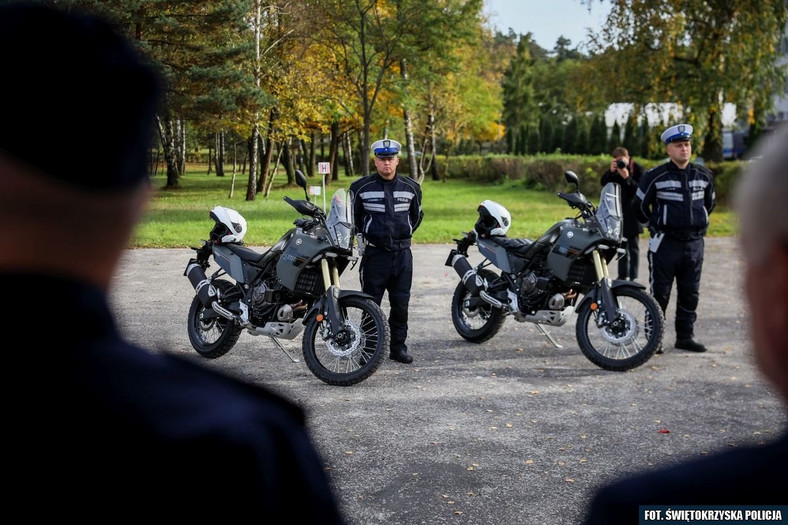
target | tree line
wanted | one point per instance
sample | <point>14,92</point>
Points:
<point>288,82</point>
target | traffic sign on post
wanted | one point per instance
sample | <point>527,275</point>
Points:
<point>324,167</point>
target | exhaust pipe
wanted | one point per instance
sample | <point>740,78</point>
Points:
<point>209,295</point>
<point>472,280</point>
<point>202,285</point>
<point>207,292</point>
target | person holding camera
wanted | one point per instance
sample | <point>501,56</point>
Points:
<point>626,173</point>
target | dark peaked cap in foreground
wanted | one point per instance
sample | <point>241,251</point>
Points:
<point>80,101</point>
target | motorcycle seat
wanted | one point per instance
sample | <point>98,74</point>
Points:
<point>519,247</point>
<point>246,254</point>
<point>525,248</point>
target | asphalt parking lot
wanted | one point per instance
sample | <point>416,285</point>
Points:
<point>512,431</point>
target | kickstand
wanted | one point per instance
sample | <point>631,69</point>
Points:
<point>288,354</point>
<point>548,336</point>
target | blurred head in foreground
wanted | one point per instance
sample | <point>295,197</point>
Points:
<point>74,141</point>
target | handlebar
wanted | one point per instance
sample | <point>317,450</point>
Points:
<point>305,207</point>
<point>304,223</point>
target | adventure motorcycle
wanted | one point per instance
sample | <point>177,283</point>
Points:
<point>619,325</point>
<point>292,287</point>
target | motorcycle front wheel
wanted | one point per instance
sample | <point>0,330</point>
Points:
<point>353,354</point>
<point>210,334</point>
<point>476,324</point>
<point>628,342</point>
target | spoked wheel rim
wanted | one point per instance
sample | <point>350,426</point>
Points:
<point>209,330</point>
<point>211,335</point>
<point>475,318</point>
<point>626,341</point>
<point>623,332</point>
<point>349,341</point>
<point>356,345</point>
<point>630,340</point>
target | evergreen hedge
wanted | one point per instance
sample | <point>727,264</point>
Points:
<point>547,171</point>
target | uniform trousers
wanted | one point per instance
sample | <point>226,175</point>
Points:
<point>390,271</point>
<point>682,261</point>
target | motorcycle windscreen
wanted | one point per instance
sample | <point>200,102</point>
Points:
<point>608,213</point>
<point>339,222</point>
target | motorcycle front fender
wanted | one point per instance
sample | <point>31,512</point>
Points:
<point>593,294</point>
<point>328,305</point>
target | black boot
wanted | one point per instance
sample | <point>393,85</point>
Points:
<point>401,355</point>
<point>688,343</point>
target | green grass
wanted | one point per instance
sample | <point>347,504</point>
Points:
<point>179,218</point>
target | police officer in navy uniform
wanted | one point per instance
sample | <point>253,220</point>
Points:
<point>675,200</point>
<point>386,211</point>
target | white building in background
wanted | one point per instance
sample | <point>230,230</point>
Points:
<point>734,133</point>
<point>668,113</point>
<point>662,114</point>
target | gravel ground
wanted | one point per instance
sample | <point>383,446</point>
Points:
<point>511,431</point>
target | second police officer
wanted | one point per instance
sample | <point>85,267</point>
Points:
<point>386,212</point>
<point>675,199</point>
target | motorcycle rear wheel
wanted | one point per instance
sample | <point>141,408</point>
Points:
<point>637,338</point>
<point>478,324</point>
<point>357,352</point>
<point>215,336</point>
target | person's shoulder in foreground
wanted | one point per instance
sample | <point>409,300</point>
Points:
<point>152,428</point>
<point>747,476</point>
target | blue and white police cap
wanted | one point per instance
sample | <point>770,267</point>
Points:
<point>386,148</point>
<point>678,132</point>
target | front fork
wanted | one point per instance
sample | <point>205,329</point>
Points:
<point>330,274</point>
<point>331,297</point>
<point>609,304</point>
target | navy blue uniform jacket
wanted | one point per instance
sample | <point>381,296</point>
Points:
<point>677,202</point>
<point>387,212</point>
<point>96,428</point>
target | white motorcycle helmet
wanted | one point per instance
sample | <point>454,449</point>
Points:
<point>230,225</point>
<point>494,220</point>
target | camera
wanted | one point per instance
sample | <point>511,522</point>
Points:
<point>621,163</point>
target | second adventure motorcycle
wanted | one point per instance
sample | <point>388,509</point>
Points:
<point>291,288</point>
<point>565,271</point>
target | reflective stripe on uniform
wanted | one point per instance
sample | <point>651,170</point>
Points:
<point>670,196</point>
<point>371,195</point>
<point>374,206</point>
<point>667,184</point>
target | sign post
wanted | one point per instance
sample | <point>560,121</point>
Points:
<point>324,168</point>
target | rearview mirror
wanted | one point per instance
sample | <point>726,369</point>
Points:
<point>300,179</point>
